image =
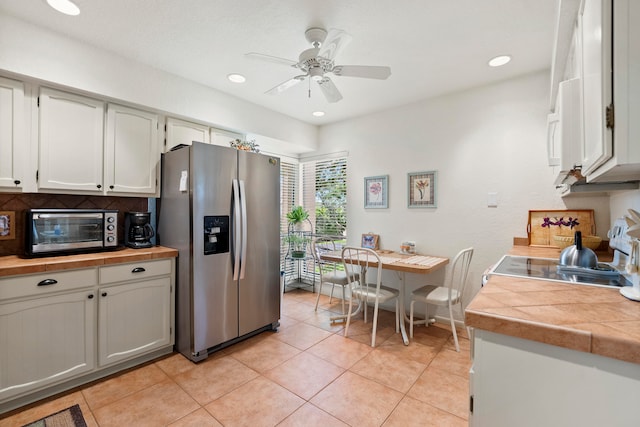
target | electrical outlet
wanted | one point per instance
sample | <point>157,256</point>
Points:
<point>492,200</point>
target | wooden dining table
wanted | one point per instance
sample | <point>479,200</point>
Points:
<point>400,263</point>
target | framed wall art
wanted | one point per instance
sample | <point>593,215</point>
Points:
<point>370,241</point>
<point>422,189</point>
<point>376,192</point>
<point>7,225</point>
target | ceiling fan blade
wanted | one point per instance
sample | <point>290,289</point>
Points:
<point>329,90</point>
<point>336,40</point>
<point>269,58</point>
<point>366,71</point>
<point>285,85</point>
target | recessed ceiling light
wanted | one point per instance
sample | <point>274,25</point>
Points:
<point>236,78</point>
<point>499,60</point>
<point>318,113</point>
<point>65,6</point>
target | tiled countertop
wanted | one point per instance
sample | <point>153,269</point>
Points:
<point>14,265</point>
<point>585,318</point>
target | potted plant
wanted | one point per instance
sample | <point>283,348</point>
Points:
<point>297,215</point>
<point>297,244</point>
<point>244,145</point>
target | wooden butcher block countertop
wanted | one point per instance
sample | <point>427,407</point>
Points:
<point>591,319</point>
<point>14,265</point>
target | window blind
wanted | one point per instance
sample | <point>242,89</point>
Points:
<point>324,195</point>
<point>288,191</point>
<point>289,173</point>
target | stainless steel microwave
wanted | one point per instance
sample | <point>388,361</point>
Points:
<point>58,231</point>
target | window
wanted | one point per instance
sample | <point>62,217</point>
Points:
<point>288,193</point>
<point>325,195</point>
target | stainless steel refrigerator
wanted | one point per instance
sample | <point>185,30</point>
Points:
<point>219,207</point>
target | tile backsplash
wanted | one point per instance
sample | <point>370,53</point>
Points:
<point>20,202</point>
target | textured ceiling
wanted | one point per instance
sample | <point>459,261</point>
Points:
<point>432,46</point>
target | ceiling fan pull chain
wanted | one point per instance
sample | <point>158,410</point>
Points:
<point>309,88</point>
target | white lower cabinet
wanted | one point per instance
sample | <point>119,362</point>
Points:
<point>46,336</point>
<point>518,382</point>
<point>133,319</point>
<point>64,329</point>
<point>45,341</point>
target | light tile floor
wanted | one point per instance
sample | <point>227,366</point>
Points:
<point>306,374</point>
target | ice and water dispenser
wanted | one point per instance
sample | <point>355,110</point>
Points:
<point>216,234</point>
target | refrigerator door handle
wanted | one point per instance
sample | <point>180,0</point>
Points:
<point>243,202</point>
<point>236,229</point>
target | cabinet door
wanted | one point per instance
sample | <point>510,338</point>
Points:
<point>181,132</point>
<point>12,132</point>
<point>71,142</point>
<point>224,137</point>
<point>553,138</point>
<point>595,24</point>
<point>134,318</point>
<point>132,152</point>
<point>46,340</point>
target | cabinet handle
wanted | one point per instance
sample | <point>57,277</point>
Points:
<point>47,282</point>
<point>90,296</point>
<point>99,186</point>
<point>104,294</point>
<point>16,182</point>
<point>111,187</point>
<point>138,270</point>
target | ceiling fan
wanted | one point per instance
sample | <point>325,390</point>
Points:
<point>318,61</point>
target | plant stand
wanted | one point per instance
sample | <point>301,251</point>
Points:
<point>299,258</point>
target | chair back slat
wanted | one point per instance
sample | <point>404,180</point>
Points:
<point>358,262</point>
<point>457,274</point>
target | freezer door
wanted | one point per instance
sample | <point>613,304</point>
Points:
<point>259,287</point>
<point>174,231</point>
<point>214,292</point>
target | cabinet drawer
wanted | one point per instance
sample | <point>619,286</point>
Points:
<point>133,271</point>
<point>44,283</point>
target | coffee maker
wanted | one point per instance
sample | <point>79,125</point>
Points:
<point>138,230</point>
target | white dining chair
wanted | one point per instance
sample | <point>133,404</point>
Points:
<point>330,273</point>
<point>357,263</point>
<point>447,295</point>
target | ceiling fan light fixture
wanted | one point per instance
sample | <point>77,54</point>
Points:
<point>317,62</point>
<point>65,6</point>
<point>318,113</point>
<point>236,78</point>
<point>316,74</point>
<point>499,61</point>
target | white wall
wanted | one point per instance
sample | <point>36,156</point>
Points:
<point>34,52</point>
<point>620,203</point>
<point>490,139</point>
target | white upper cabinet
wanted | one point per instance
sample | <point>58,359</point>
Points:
<point>182,132</point>
<point>70,143</point>
<point>595,25</point>
<point>13,143</point>
<point>80,153</point>
<point>224,137</point>
<point>611,126</point>
<point>565,128</point>
<point>132,153</point>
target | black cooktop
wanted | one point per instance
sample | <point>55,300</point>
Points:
<point>547,269</point>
